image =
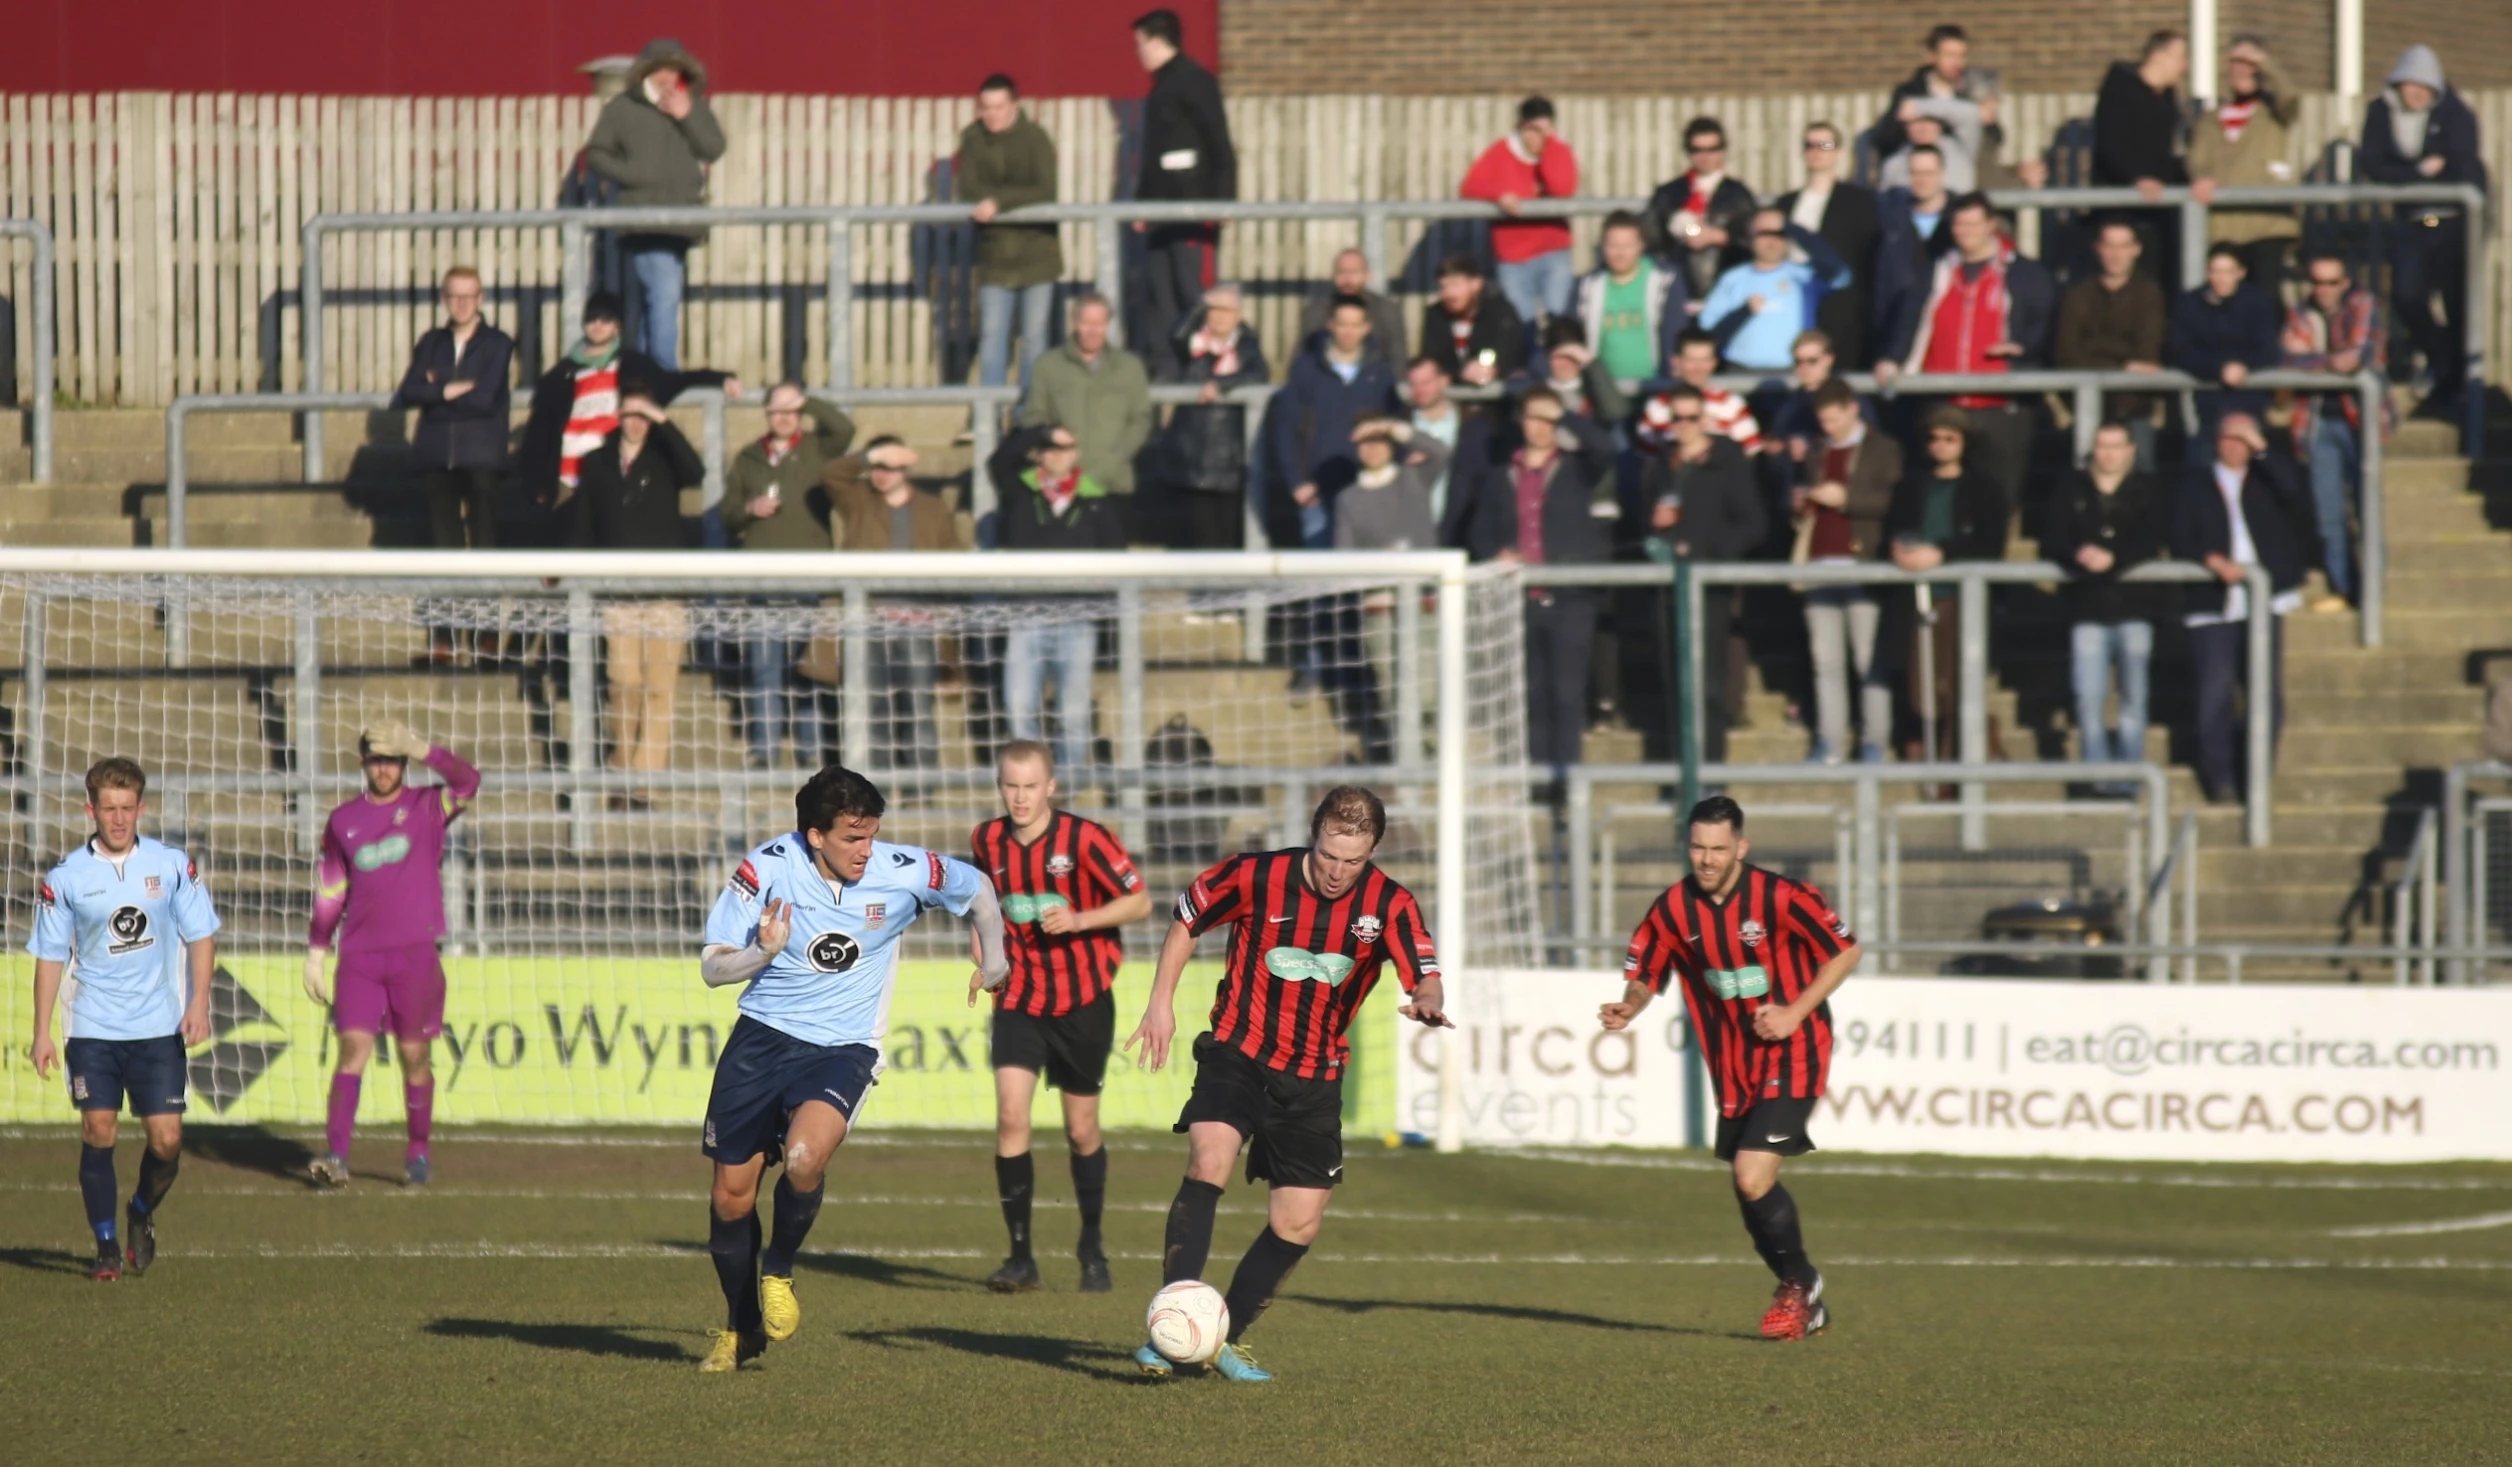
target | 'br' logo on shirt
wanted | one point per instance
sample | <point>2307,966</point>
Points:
<point>833,952</point>
<point>129,926</point>
<point>1750,982</point>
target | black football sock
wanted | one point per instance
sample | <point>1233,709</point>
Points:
<point>1269,1261</point>
<point>1090,1189</point>
<point>1015,1183</point>
<point>735,1246</point>
<point>96,1185</point>
<point>155,1178</point>
<point>1772,1220</point>
<point>795,1213</point>
<point>1189,1244</point>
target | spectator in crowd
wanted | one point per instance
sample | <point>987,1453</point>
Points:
<point>2222,332</point>
<point>2334,329</point>
<point>1388,507</point>
<point>2107,520</point>
<point>1845,215</point>
<point>1578,378</point>
<point>575,405</point>
<point>1632,307</point>
<point>1187,154</point>
<point>1541,509</point>
<point>1946,73</point>
<point>1007,161</point>
<point>1845,488</point>
<point>2113,322</point>
<point>1758,308</point>
<point>1466,436</point>
<point>654,141</point>
<point>1533,255</point>
<point>1098,390</point>
<point>1329,389</point>
<point>1728,415</point>
<point>1477,337</point>
<point>1987,310</point>
<point>1796,423</point>
<point>1050,502</point>
<point>1912,237</point>
<point>630,499</point>
<point>1202,454</point>
<point>457,381</point>
<point>874,506</point>
<point>1950,125</point>
<point>2420,131</point>
<point>774,501</point>
<point>1703,504</point>
<point>2244,143</point>
<point>2243,508</point>
<point>1945,510</point>
<point>1698,220</point>
<point>2137,140</point>
<point>1351,277</point>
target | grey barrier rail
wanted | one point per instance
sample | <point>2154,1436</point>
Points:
<point>1972,611</point>
<point>2157,955</point>
<point>2457,872</point>
<point>39,307</point>
<point>1372,216</point>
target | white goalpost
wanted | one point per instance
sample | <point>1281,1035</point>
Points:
<point>642,719</point>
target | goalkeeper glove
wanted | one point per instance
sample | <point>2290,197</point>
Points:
<point>394,740</point>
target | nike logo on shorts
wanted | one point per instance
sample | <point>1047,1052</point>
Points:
<point>1774,1140</point>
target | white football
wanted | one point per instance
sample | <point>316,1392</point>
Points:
<point>1188,1322</point>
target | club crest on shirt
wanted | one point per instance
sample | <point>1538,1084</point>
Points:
<point>1059,864</point>
<point>401,816</point>
<point>874,912</point>
<point>1366,928</point>
<point>152,886</point>
<point>1752,932</point>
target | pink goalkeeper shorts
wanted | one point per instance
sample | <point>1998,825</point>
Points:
<point>398,991</point>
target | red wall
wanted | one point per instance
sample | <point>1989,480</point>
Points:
<point>532,47</point>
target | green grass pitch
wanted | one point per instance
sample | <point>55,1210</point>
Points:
<point>547,1299</point>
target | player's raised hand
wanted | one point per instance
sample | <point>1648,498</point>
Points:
<point>1158,1027</point>
<point>1616,1017</point>
<point>315,987</point>
<point>776,925</point>
<point>1775,1022</point>
<point>396,740</point>
<point>46,1056</point>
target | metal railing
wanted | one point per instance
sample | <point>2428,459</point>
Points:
<point>1972,680</point>
<point>2181,862</point>
<point>2462,918</point>
<point>1371,216</point>
<point>2412,899</point>
<point>39,309</point>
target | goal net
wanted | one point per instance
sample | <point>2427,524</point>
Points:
<point>636,736</point>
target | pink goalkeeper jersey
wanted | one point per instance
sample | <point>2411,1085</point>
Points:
<point>380,860</point>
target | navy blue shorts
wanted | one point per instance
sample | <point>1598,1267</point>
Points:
<point>150,1071</point>
<point>764,1073</point>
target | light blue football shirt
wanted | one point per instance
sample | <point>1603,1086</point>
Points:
<point>831,984</point>
<point>121,926</point>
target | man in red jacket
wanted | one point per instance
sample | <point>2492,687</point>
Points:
<point>1533,254</point>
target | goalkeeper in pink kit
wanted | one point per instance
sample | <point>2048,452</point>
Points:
<point>380,892</point>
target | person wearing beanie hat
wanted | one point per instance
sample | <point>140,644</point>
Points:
<point>575,405</point>
<point>2420,131</point>
<point>654,142</point>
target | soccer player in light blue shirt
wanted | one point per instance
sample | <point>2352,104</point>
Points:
<point>126,920</point>
<point>810,923</point>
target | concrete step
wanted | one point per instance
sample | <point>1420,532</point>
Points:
<point>88,531</point>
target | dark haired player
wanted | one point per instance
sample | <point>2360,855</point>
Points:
<point>1309,928</point>
<point>810,922</point>
<point>1760,955</point>
<point>1067,885</point>
<point>127,921</point>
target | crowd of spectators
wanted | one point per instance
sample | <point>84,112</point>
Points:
<point>1590,426</point>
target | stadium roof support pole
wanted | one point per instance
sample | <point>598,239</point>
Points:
<point>2263,631</point>
<point>2202,51</point>
<point>1453,900</point>
<point>2347,55</point>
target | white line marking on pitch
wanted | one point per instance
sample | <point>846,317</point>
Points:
<point>2477,1224</point>
<point>1815,1167</point>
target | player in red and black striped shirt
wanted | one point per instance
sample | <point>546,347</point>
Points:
<point>1067,885</point>
<point>1309,930</point>
<point>1759,955</point>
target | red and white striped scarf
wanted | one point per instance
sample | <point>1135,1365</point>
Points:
<point>1223,351</point>
<point>590,418</point>
<point>2234,115</point>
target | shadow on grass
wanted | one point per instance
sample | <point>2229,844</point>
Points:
<point>1081,1357</point>
<point>250,1148</point>
<point>879,1271</point>
<point>43,1260</point>
<point>581,1339</point>
<point>1507,1311</point>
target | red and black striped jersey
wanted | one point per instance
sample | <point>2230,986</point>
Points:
<point>1300,965</point>
<point>1075,863</point>
<point>1761,946</point>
